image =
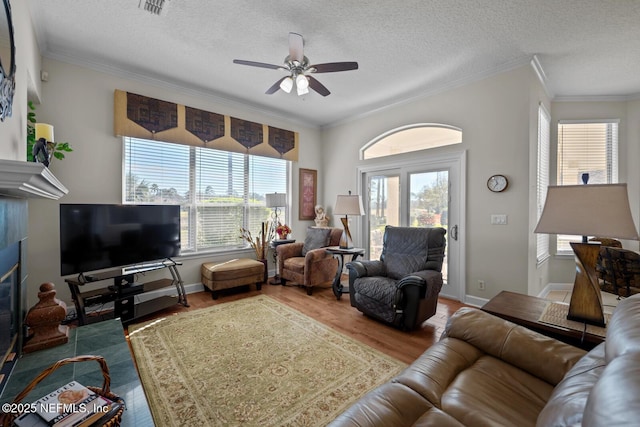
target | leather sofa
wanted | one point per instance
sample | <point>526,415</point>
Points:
<point>486,371</point>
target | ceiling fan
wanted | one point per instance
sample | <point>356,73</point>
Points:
<point>299,69</point>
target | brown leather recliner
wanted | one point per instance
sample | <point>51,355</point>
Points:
<point>402,287</point>
<point>308,263</point>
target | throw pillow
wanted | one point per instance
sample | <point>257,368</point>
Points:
<point>316,238</point>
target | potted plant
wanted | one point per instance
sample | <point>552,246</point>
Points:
<point>260,244</point>
<point>283,231</point>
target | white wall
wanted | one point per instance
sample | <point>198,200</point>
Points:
<point>495,117</point>
<point>79,103</point>
<point>13,131</point>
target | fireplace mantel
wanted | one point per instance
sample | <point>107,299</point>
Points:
<point>29,180</point>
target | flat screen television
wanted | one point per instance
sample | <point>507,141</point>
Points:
<point>97,236</point>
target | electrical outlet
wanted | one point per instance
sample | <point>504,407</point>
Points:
<point>498,219</point>
<point>481,285</point>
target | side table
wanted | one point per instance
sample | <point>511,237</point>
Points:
<point>339,253</point>
<point>274,245</point>
<point>525,310</point>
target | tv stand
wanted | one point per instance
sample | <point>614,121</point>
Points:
<point>124,290</point>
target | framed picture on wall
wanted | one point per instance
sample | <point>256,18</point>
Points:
<point>308,185</point>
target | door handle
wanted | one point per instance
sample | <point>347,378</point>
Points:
<point>454,232</point>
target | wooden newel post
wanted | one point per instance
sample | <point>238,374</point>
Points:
<point>45,321</point>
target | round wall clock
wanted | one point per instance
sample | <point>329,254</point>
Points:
<point>497,183</point>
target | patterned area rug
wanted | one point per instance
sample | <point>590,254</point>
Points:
<point>252,362</point>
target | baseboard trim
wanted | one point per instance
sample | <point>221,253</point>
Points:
<point>567,287</point>
<point>475,301</point>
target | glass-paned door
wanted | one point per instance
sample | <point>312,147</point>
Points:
<point>429,202</point>
<point>427,193</point>
<point>384,208</point>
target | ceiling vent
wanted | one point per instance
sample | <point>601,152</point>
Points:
<point>153,6</point>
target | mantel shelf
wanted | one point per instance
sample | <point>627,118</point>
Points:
<point>29,180</point>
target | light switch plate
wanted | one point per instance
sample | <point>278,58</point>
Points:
<point>498,219</point>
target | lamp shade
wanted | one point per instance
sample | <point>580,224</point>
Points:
<point>276,200</point>
<point>286,84</point>
<point>348,205</point>
<point>44,130</point>
<point>588,210</point>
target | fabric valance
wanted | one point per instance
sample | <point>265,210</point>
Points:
<point>138,116</point>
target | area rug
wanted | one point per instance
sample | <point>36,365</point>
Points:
<point>555,313</point>
<point>252,362</point>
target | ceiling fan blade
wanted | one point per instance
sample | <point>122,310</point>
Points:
<point>331,67</point>
<point>276,86</point>
<point>258,64</point>
<point>317,86</point>
<point>296,47</point>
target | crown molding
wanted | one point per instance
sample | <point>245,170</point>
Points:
<point>597,98</point>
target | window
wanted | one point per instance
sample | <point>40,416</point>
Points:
<point>218,191</point>
<point>542,182</point>
<point>412,138</point>
<point>586,149</point>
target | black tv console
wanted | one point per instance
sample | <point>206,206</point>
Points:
<point>124,290</point>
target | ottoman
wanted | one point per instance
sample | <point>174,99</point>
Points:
<point>230,274</point>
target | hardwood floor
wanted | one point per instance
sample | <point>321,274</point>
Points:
<point>339,315</point>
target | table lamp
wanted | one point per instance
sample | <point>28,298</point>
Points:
<point>276,201</point>
<point>347,204</point>
<point>587,210</point>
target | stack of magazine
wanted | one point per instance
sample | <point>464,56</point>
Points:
<point>72,405</point>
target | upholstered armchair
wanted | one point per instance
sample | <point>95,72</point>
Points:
<point>401,288</point>
<point>307,263</point>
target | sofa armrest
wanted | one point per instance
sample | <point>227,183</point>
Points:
<point>429,282</point>
<point>367,268</point>
<point>315,255</point>
<point>541,356</point>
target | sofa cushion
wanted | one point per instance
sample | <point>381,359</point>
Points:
<point>432,372</point>
<point>295,264</point>
<point>569,398</point>
<point>495,393</point>
<point>390,404</point>
<point>316,238</point>
<point>541,356</point>
<point>615,398</point>
<point>623,334</point>
<point>375,297</point>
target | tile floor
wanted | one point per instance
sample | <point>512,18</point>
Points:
<point>104,338</point>
<point>609,301</point>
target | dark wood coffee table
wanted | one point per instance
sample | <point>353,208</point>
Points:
<point>525,310</point>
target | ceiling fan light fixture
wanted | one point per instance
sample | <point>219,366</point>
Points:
<point>287,84</point>
<point>302,82</point>
<point>302,90</point>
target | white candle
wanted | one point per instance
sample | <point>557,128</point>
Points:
<point>44,130</point>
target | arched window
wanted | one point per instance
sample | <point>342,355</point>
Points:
<point>406,139</point>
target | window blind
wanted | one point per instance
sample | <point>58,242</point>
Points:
<point>586,147</point>
<point>219,191</point>
<point>542,183</point>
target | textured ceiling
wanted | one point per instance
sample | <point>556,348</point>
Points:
<point>404,48</point>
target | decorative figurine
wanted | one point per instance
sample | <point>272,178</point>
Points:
<point>321,217</point>
<point>40,152</point>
